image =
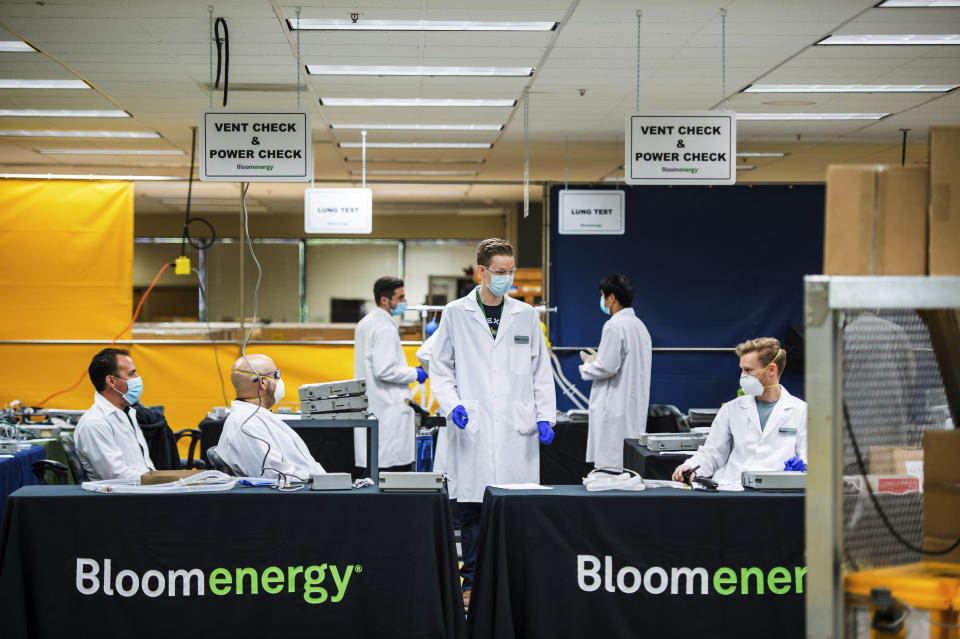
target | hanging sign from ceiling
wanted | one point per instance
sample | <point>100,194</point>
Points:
<point>338,211</point>
<point>681,147</point>
<point>591,212</point>
<point>255,146</point>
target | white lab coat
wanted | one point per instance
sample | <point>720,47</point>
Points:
<point>736,444</point>
<point>506,387</point>
<point>378,358</point>
<point>108,445</point>
<point>424,354</point>
<point>620,394</point>
<point>245,448</point>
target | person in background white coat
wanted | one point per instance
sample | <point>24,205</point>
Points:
<point>109,441</point>
<point>620,372</point>
<point>254,439</point>
<point>378,358</point>
<point>491,374</point>
<point>765,429</point>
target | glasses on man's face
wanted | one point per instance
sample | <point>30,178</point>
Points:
<point>501,272</point>
<point>274,374</point>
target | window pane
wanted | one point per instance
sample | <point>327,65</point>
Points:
<point>346,271</point>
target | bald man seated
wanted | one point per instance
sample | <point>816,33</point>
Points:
<point>254,439</point>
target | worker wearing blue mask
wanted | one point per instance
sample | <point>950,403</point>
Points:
<point>620,372</point>
<point>765,429</point>
<point>109,441</point>
<point>378,358</point>
<point>490,372</point>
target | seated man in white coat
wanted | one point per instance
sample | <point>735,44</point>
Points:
<point>109,441</point>
<point>378,358</point>
<point>254,439</point>
<point>491,375</point>
<point>620,372</point>
<point>765,429</point>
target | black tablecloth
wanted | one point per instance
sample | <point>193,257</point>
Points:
<point>394,553</point>
<point>649,463</point>
<point>562,462</point>
<point>332,447</point>
<point>568,563</point>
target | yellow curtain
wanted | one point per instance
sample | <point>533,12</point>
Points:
<point>68,259</point>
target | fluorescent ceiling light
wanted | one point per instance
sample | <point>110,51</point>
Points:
<point>418,127</point>
<point>419,192</point>
<point>110,151</point>
<point>615,178</point>
<point>9,83</point>
<point>415,161</point>
<point>436,173</point>
<point>751,154</point>
<point>850,88</point>
<point>416,102</point>
<point>53,133</point>
<point>918,3</point>
<point>417,25</point>
<point>416,145</point>
<point>15,45</point>
<point>62,113</point>
<point>946,38</point>
<point>745,167</point>
<point>339,69</point>
<point>811,116</point>
<point>91,176</point>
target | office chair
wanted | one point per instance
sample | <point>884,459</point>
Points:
<point>70,449</point>
<point>41,466</point>
<point>221,465</point>
<point>190,463</point>
<point>666,418</point>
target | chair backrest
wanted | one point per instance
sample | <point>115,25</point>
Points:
<point>70,450</point>
<point>194,434</point>
<point>41,466</point>
<point>666,418</point>
<point>221,465</point>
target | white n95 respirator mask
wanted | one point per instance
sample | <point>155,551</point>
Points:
<point>278,392</point>
<point>751,386</point>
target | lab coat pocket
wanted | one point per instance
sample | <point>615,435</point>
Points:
<point>520,359</point>
<point>473,417</point>
<point>524,418</point>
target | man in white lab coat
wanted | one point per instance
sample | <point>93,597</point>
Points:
<point>765,429</point>
<point>490,372</point>
<point>255,440</point>
<point>620,372</point>
<point>108,439</point>
<point>378,358</point>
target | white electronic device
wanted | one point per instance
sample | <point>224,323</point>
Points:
<point>338,404</point>
<point>8,448</point>
<point>674,441</point>
<point>361,414</point>
<point>41,431</point>
<point>411,481</point>
<point>331,481</point>
<point>775,480</point>
<point>344,388</point>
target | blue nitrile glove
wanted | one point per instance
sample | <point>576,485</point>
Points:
<point>794,463</point>
<point>431,327</point>
<point>459,416</point>
<point>421,375</point>
<point>546,433</point>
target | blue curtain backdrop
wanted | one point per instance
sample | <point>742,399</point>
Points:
<point>711,267</point>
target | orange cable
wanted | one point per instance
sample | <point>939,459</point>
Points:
<point>114,341</point>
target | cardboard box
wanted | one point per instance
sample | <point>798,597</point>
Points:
<point>944,200</point>
<point>886,484</point>
<point>876,220</point>
<point>941,491</point>
<point>165,476</point>
<point>892,460</point>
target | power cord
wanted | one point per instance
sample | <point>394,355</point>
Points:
<point>223,57</point>
<point>876,504</point>
<point>216,356</point>
<point>187,220</point>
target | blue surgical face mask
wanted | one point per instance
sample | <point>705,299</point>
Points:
<point>134,390</point>
<point>500,284</point>
<point>603,306</point>
<point>400,309</point>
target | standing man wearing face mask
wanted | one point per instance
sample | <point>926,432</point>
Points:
<point>765,429</point>
<point>491,375</point>
<point>378,358</point>
<point>620,372</point>
<point>254,439</point>
<point>109,441</point>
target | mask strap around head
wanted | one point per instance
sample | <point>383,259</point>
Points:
<point>779,350</point>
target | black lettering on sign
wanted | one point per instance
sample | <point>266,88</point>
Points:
<point>229,127</point>
<point>656,130</point>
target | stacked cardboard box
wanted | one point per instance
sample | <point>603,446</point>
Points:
<point>941,492</point>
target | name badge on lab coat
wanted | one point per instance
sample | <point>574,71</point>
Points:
<point>521,339</point>
<point>786,430</point>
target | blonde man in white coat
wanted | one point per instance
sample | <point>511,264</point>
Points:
<point>491,375</point>
<point>620,372</point>
<point>765,429</point>
<point>378,358</point>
